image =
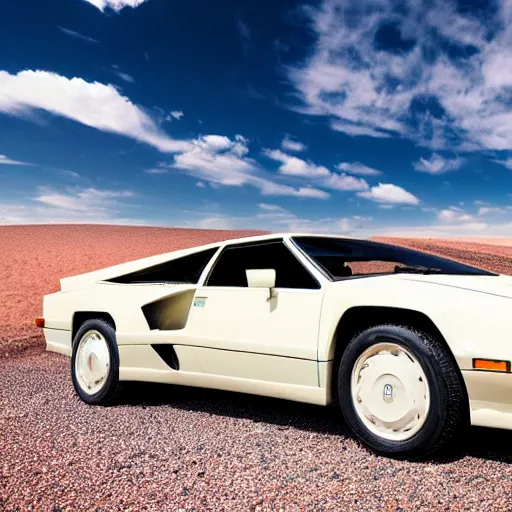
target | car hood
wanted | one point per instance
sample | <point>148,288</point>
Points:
<point>499,285</point>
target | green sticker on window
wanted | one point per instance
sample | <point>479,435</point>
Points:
<point>199,302</point>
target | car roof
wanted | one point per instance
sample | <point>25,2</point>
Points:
<point>272,236</point>
<point>132,266</point>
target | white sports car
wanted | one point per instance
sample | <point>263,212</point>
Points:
<point>412,347</point>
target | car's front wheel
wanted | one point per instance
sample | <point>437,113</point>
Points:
<point>401,392</point>
<point>95,363</point>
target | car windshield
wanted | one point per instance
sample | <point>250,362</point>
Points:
<point>343,258</point>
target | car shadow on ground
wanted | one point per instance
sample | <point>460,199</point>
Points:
<point>484,443</point>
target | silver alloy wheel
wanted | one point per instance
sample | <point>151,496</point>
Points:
<point>92,362</point>
<point>390,391</point>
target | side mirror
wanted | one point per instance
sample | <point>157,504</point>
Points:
<point>261,278</point>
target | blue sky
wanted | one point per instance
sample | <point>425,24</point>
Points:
<point>345,116</point>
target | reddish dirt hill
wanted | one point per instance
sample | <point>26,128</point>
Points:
<point>490,257</point>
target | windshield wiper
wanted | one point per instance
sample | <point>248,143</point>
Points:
<point>417,269</point>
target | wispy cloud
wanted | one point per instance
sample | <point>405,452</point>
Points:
<point>289,144</point>
<point>77,35</point>
<point>81,200</point>
<point>437,164</point>
<point>506,163</point>
<point>76,205</point>
<point>276,217</point>
<point>447,230</point>
<point>387,193</point>
<point>8,161</point>
<point>115,5</point>
<point>244,32</point>
<point>70,174</point>
<point>426,71</point>
<point>491,210</point>
<point>91,103</point>
<point>358,169</point>
<point>157,170</point>
<point>294,166</point>
<point>243,29</point>
<point>223,161</point>
<point>454,214</point>
<point>253,93</point>
<point>272,207</point>
<point>176,114</point>
<point>272,217</point>
<point>126,77</point>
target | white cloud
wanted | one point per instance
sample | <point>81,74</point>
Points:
<point>177,114</point>
<point>506,163</point>
<point>437,164</point>
<point>157,170</point>
<point>93,104</point>
<point>78,205</point>
<point>243,29</point>
<point>71,174</point>
<point>77,35</point>
<point>445,84</point>
<point>125,76</point>
<point>354,129</point>
<point>115,5</point>
<point>83,200</point>
<point>357,168</point>
<point>218,222</point>
<point>389,194</point>
<point>490,210</point>
<point>200,184</point>
<point>271,207</point>
<point>278,218</point>
<point>294,166</point>
<point>454,214</point>
<point>270,188</point>
<point>446,230</point>
<point>273,217</point>
<point>292,145</point>
<point>222,161</point>
<point>215,158</point>
<point>8,161</point>
<point>344,182</point>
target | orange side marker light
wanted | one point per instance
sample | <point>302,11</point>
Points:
<point>492,365</point>
<point>39,321</point>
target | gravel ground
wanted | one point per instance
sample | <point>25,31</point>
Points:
<point>172,448</point>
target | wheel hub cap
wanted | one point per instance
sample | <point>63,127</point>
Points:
<point>92,362</point>
<point>390,391</point>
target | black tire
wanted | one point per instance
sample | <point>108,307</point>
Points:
<point>448,412</point>
<point>108,394</point>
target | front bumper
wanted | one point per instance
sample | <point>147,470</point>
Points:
<point>490,398</point>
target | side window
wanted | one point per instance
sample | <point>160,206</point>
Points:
<point>186,270</point>
<point>234,261</point>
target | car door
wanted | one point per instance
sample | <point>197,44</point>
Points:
<point>242,332</point>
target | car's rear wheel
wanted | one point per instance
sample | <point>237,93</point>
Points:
<point>95,363</point>
<point>401,392</point>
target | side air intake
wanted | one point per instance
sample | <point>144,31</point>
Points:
<point>169,313</point>
<point>168,355</point>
